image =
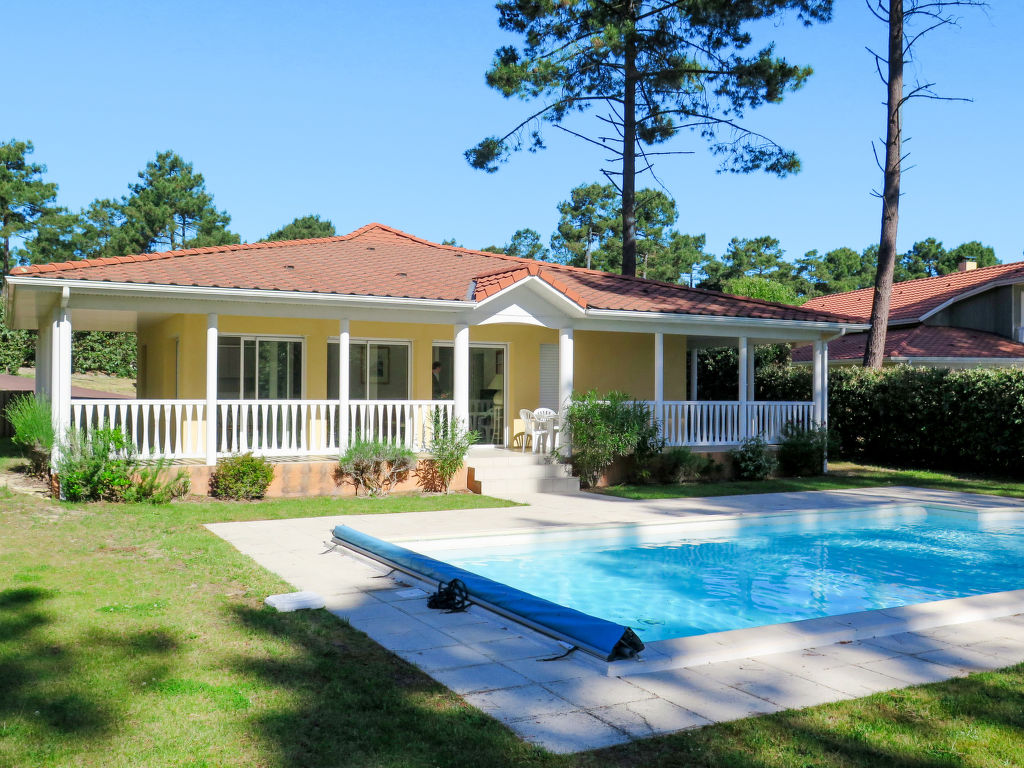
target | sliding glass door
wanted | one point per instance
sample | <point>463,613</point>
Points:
<point>486,387</point>
<point>258,368</point>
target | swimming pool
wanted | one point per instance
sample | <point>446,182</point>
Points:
<point>692,578</point>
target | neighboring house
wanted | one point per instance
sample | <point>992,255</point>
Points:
<point>254,334</point>
<point>969,318</point>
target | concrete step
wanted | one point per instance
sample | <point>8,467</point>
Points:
<point>511,487</point>
<point>508,459</point>
<point>521,471</point>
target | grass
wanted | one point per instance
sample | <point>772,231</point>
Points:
<point>101,382</point>
<point>131,636</point>
<point>842,475</point>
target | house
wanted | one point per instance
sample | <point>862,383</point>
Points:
<point>294,349</point>
<point>972,317</point>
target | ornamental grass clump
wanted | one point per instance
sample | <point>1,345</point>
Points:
<point>242,478</point>
<point>376,467</point>
<point>448,447</point>
<point>30,418</point>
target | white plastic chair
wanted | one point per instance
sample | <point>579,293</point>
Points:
<point>548,423</point>
<point>533,429</point>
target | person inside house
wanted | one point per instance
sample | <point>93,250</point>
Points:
<point>437,389</point>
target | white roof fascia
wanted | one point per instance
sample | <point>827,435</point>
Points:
<point>836,327</point>
<point>148,290</point>
<point>537,284</point>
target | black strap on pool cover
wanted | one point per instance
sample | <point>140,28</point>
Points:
<point>451,596</point>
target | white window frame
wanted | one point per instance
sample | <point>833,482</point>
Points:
<point>243,337</point>
<point>369,340</point>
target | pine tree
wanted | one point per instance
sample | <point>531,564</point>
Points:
<point>24,197</point>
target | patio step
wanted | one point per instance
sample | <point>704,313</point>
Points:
<point>509,473</point>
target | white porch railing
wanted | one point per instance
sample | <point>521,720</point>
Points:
<point>705,422</point>
<point>170,429</point>
<point>176,429</point>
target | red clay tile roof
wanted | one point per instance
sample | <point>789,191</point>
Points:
<point>913,299</point>
<point>376,260</point>
<point>927,341</point>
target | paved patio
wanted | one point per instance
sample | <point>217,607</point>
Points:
<point>579,703</point>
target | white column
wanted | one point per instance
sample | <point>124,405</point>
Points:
<point>60,374</point>
<point>344,343</point>
<point>818,377</point>
<point>211,389</point>
<point>566,362</point>
<point>461,376</point>
<point>751,381</point>
<point>693,374</point>
<point>744,386</point>
<point>43,352</point>
<point>824,397</point>
<point>659,371</point>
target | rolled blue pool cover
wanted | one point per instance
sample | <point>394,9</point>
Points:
<point>604,638</point>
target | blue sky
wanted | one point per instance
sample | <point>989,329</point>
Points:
<point>361,112</point>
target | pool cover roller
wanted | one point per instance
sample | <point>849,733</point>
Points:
<point>603,638</point>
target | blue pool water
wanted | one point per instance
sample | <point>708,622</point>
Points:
<point>692,578</point>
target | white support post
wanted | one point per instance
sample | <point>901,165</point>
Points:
<point>693,374</point>
<point>818,377</point>
<point>659,371</point>
<point>751,381</point>
<point>566,361</point>
<point>60,373</point>
<point>461,376</point>
<point>824,398</point>
<point>743,393</point>
<point>211,389</point>
<point>344,343</point>
<point>44,351</point>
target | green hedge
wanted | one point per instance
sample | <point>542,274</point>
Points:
<point>967,420</point>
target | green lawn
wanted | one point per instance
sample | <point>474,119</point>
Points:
<point>841,475</point>
<point>131,636</point>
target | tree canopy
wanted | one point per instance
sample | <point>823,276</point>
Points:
<point>659,68</point>
<point>24,197</point>
<point>303,228</point>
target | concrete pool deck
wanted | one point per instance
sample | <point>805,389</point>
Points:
<point>579,703</point>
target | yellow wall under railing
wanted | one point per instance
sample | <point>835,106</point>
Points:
<point>603,360</point>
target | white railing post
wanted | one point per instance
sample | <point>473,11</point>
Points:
<point>60,372</point>
<point>211,389</point>
<point>344,341</point>
<point>817,381</point>
<point>659,375</point>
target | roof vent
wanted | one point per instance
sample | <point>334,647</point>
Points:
<point>370,248</point>
<point>401,274</point>
<point>289,266</point>
<point>966,266</point>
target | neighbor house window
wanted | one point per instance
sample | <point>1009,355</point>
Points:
<point>377,370</point>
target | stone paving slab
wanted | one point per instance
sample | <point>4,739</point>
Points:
<point>578,703</point>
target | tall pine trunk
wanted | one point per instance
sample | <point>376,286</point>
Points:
<point>875,349</point>
<point>629,163</point>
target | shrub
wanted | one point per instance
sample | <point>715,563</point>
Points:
<point>603,429</point>
<point>149,486</point>
<point>17,348</point>
<point>751,460</point>
<point>802,451</point>
<point>31,419</point>
<point>98,465</point>
<point>681,465</point>
<point>376,466</point>
<point>241,477</point>
<point>448,446</point>
<point>647,464</point>
<point>969,420</point>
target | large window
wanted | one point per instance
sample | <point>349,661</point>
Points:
<point>376,370</point>
<point>486,387</point>
<point>260,368</point>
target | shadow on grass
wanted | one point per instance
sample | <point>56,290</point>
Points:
<point>356,704</point>
<point>45,682</point>
<point>959,723</point>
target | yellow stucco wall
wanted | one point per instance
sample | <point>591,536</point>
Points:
<point>603,361</point>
